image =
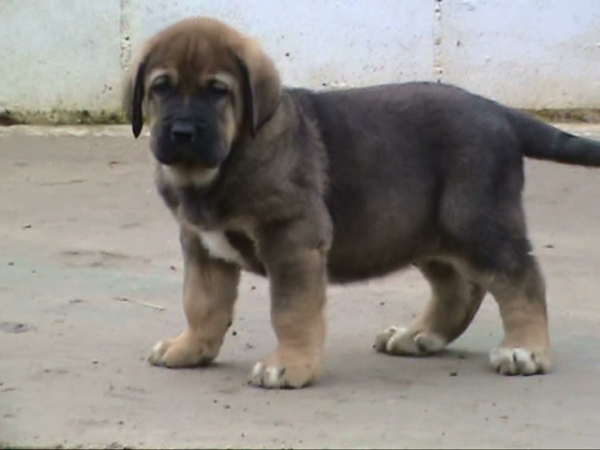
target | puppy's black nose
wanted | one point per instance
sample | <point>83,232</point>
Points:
<point>183,132</point>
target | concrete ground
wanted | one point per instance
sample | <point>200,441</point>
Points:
<point>90,278</point>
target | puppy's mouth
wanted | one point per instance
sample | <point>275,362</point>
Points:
<point>187,158</point>
<point>182,175</point>
<point>189,155</point>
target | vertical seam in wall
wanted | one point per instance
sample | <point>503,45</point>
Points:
<point>438,68</point>
<point>125,35</point>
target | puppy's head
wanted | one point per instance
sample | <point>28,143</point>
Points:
<point>203,86</point>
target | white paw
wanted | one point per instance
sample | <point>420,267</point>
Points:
<point>269,377</point>
<point>181,352</point>
<point>287,373</point>
<point>519,361</point>
<point>158,352</point>
<point>398,341</point>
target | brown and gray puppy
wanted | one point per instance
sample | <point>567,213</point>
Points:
<point>309,187</point>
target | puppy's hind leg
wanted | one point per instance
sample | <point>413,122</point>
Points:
<point>525,349</point>
<point>491,239</point>
<point>453,304</point>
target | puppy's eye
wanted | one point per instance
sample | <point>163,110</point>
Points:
<point>161,85</point>
<point>218,89</point>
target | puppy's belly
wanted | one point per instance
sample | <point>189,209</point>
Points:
<point>362,259</point>
<point>218,247</point>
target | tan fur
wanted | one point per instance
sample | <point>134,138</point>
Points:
<point>453,304</point>
<point>210,291</point>
<point>524,312</point>
<point>300,326</point>
<point>216,48</point>
<point>525,322</point>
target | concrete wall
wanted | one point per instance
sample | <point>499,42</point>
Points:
<point>67,54</point>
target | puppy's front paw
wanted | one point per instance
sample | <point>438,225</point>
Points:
<point>182,351</point>
<point>520,361</point>
<point>285,371</point>
<point>399,341</point>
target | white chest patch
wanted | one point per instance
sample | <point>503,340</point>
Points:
<point>218,247</point>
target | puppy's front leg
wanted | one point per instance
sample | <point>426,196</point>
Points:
<point>209,293</point>
<point>297,276</point>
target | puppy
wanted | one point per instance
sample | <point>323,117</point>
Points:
<point>311,187</point>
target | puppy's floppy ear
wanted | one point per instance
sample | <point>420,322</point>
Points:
<point>137,116</point>
<point>133,98</point>
<point>261,86</point>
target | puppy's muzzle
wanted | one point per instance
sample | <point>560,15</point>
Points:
<point>189,142</point>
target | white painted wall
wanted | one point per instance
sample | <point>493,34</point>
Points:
<point>530,53</point>
<point>71,54</point>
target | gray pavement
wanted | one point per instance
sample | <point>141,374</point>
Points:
<point>90,279</point>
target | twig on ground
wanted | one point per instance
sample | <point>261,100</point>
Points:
<point>139,302</point>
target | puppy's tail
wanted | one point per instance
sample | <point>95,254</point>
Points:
<point>542,141</point>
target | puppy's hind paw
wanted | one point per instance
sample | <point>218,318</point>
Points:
<point>396,340</point>
<point>520,361</point>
